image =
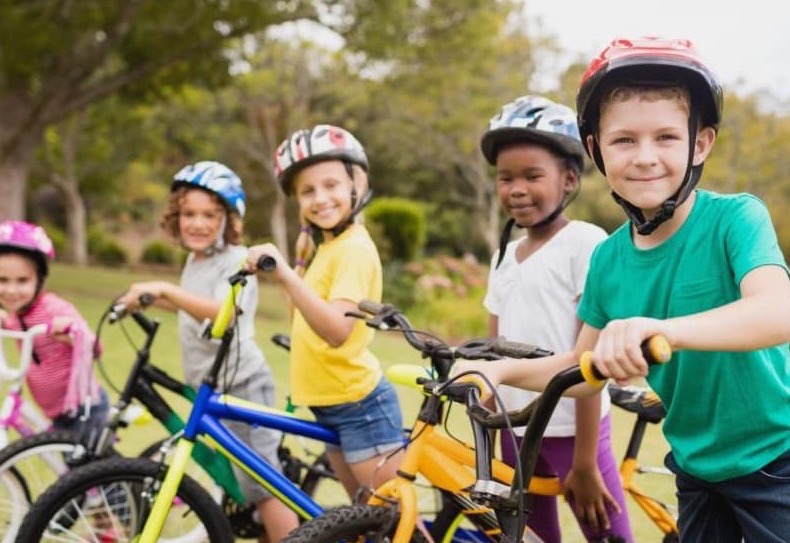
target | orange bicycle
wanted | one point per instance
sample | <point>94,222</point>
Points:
<point>491,496</point>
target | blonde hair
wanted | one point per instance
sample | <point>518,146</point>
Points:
<point>234,227</point>
<point>619,94</point>
<point>305,244</point>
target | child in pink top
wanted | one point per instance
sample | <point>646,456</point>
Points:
<point>61,378</point>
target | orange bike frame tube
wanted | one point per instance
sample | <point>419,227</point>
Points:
<point>447,465</point>
<point>653,509</point>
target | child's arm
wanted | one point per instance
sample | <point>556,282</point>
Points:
<point>172,297</point>
<point>761,318</point>
<point>326,318</point>
<point>535,377</point>
<point>584,482</point>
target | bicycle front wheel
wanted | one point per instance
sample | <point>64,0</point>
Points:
<point>110,500</point>
<point>351,523</point>
<point>28,466</point>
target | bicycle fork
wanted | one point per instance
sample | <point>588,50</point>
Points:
<point>167,492</point>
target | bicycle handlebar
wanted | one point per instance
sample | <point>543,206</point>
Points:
<point>119,311</point>
<point>656,350</point>
<point>8,373</point>
<point>386,317</point>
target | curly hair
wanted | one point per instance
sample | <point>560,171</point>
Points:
<point>233,227</point>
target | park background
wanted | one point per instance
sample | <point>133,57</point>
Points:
<point>102,102</point>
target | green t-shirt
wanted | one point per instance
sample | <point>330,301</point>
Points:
<point>728,413</point>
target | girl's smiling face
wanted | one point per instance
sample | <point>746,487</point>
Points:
<point>323,191</point>
<point>18,281</point>
<point>200,220</point>
<point>531,182</point>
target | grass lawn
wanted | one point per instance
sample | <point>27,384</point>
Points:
<point>93,289</point>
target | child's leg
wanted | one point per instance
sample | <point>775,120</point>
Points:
<point>753,507</point>
<point>544,514</point>
<point>370,431</point>
<point>559,452</point>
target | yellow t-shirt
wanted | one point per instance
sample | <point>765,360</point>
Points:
<point>347,267</point>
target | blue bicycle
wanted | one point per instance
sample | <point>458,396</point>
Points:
<point>139,500</point>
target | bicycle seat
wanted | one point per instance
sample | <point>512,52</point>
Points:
<point>642,401</point>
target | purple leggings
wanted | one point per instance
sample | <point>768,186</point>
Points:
<point>555,458</point>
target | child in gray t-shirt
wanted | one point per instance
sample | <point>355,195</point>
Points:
<point>204,214</point>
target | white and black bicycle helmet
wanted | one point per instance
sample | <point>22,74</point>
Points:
<point>538,119</point>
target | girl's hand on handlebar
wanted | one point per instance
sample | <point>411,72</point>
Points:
<point>618,352</point>
<point>255,253</point>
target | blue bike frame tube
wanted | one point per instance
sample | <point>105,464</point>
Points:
<point>207,410</point>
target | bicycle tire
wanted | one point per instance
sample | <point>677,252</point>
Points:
<point>111,498</point>
<point>24,474</point>
<point>351,523</point>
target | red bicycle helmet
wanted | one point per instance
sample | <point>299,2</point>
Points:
<point>650,62</point>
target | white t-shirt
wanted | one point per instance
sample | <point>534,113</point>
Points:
<point>535,302</point>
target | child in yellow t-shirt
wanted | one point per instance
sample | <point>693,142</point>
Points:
<point>332,370</point>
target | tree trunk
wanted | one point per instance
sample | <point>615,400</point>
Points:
<point>13,186</point>
<point>76,217</point>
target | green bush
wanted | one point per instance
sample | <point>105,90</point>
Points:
<point>158,252</point>
<point>104,249</point>
<point>401,224</point>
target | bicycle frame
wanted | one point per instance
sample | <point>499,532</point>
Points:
<point>646,405</point>
<point>209,408</point>
<point>17,413</point>
<point>447,464</point>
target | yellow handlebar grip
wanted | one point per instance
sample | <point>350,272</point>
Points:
<point>658,350</point>
<point>589,371</point>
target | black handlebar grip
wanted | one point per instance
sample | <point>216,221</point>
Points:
<point>370,307</point>
<point>266,263</point>
<point>655,349</point>
<point>146,299</point>
<point>514,349</point>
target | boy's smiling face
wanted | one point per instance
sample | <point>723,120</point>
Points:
<point>644,144</point>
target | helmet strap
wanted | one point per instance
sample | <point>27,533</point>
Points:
<point>692,176</point>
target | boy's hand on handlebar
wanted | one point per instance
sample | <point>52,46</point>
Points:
<point>618,353</point>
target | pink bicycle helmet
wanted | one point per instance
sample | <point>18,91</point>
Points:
<point>28,239</point>
<point>317,144</point>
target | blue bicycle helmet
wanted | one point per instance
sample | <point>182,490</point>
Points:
<point>217,178</point>
<point>536,119</point>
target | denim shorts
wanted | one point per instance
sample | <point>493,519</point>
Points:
<point>367,428</point>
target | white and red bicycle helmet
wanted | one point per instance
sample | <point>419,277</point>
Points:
<point>651,62</point>
<point>313,145</point>
<point>30,240</point>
